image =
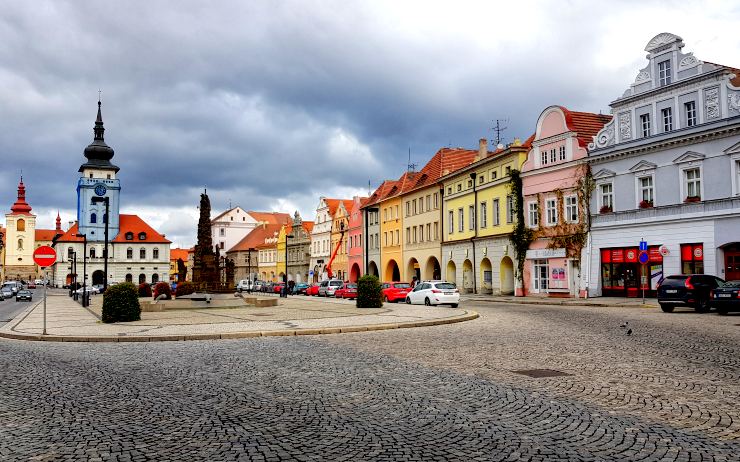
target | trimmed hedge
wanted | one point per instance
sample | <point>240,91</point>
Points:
<point>145,290</point>
<point>121,304</point>
<point>184,288</point>
<point>162,288</point>
<point>369,293</point>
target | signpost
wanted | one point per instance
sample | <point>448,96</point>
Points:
<point>44,256</point>
<point>643,258</point>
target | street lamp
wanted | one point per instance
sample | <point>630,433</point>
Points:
<point>84,268</point>
<point>285,277</point>
<point>73,273</point>
<point>106,219</point>
<point>249,270</point>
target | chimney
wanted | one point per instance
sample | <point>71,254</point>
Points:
<point>482,149</point>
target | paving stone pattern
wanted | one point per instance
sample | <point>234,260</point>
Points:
<point>438,393</point>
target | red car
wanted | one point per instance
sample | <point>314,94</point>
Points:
<point>395,291</point>
<point>313,289</point>
<point>278,288</point>
<point>348,290</point>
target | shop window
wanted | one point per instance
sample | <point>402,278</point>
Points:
<point>692,258</point>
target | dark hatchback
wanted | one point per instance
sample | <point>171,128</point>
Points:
<point>687,290</point>
<point>23,295</point>
<point>726,297</point>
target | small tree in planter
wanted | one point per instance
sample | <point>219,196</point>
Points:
<point>369,293</point>
<point>121,304</point>
<point>605,209</point>
<point>162,288</point>
<point>145,290</point>
<point>646,204</point>
<point>184,288</point>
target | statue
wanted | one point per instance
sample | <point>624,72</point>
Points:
<point>205,266</point>
<point>230,269</point>
<point>182,271</point>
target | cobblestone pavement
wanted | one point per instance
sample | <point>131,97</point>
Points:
<point>667,392</point>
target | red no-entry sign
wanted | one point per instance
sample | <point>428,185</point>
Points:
<point>44,256</point>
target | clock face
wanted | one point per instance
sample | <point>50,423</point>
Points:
<point>100,189</point>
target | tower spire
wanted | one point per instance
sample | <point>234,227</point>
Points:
<point>21,207</point>
<point>59,223</point>
<point>98,153</point>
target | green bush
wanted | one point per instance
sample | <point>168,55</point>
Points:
<point>121,304</point>
<point>369,294</point>
<point>162,288</point>
<point>145,290</point>
<point>184,288</point>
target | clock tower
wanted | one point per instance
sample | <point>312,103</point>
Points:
<point>98,179</point>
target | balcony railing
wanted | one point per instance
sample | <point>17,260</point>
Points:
<point>709,207</point>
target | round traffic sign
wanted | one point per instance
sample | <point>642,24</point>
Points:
<point>643,257</point>
<point>44,256</point>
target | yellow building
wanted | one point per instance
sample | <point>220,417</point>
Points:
<point>391,224</point>
<point>175,255</point>
<point>478,220</point>
<point>267,253</point>
<point>421,239</point>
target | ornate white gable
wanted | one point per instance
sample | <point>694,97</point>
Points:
<point>688,156</point>
<point>604,173</point>
<point>734,149</point>
<point>643,165</point>
<point>661,40</point>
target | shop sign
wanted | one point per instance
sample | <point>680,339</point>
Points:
<point>618,255</point>
<point>539,254</point>
<point>655,254</point>
<point>631,255</point>
<point>664,251</point>
<point>698,252</point>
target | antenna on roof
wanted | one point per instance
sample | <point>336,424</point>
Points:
<point>410,167</point>
<point>498,129</point>
<point>369,191</point>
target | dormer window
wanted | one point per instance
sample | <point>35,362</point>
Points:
<point>129,236</point>
<point>664,72</point>
<point>142,236</point>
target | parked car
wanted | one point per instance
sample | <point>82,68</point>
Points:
<point>329,287</point>
<point>244,284</point>
<point>395,291</point>
<point>31,285</point>
<point>687,290</point>
<point>89,289</point>
<point>321,291</point>
<point>726,297</point>
<point>348,290</point>
<point>313,289</point>
<point>257,286</point>
<point>300,288</point>
<point>23,295</point>
<point>14,286</point>
<point>434,293</point>
<point>277,287</point>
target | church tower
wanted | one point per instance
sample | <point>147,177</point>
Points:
<point>98,180</point>
<point>20,238</point>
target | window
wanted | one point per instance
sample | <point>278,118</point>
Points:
<point>20,225</point>
<point>398,237</point>
<point>645,123</point>
<point>414,202</point>
<point>494,174</point>
<point>397,215</point>
<point>20,244</point>
<point>408,208</point>
<point>142,253</point>
<point>129,236</point>
<point>664,72</point>
<point>70,253</point>
<point>221,245</point>
<point>496,213</point>
<point>436,201</point>
<point>155,253</point>
<point>421,205</point>
<point>105,218</point>
<point>429,202</point>
<point>129,253</point>
<point>571,209</point>
<point>471,216</point>
<point>606,196</point>
<point>551,208</point>
<point>415,235</point>
<point>480,180</point>
<point>507,170</point>
<point>436,230</point>
<point>421,233</point>
<point>543,158</point>
<point>645,189</point>
<point>92,252</point>
<point>429,234</point>
<point>483,214</point>
<point>142,236</point>
<point>692,258</point>
<point>452,222</point>
<point>449,190</point>
<point>693,183</point>
<point>534,214</point>
<point>553,159</point>
<point>509,209</point>
<point>667,115</point>
<point>470,184</point>
<point>221,231</point>
<point>408,235</point>
<point>461,220</point>
<point>561,151</point>
<point>93,218</point>
<point>385,214</point>
<point>690,109</point>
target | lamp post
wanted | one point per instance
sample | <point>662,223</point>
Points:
<point>73,272</point>
<point>285,276</point>
<point>249,270</point>
<point>106,219</point>
<point>84,268</point>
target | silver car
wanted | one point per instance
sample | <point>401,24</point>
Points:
<point>329,287</point>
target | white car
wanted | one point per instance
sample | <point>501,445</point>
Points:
<point>244,284</point>
<point>434,293</point>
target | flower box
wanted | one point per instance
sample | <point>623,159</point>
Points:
<point>693,199</point>
<point>605,209</point>
<point>646,204</point>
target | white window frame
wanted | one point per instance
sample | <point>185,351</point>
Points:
<point>568,208</point>
<point>665,76</point>
<point>496,204</point>
<point>554,209</point>
<point>553,156</point>
<point>451,216</point>
<point>600,194</point>
<point>684,183</point>
<point>645,120</point>
<point>735,169</point>
<point>510,212</point>
<point>471,216</point>
<point>666,114</point>
<point>483,214</point>
<point>561,153</point>
<point>543,157</point>
<point>533,212</point>
<point>638,186</point>
<point>689,108</point>
<point>461,220</point>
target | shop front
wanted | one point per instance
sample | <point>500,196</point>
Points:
<point>622,274</point>
<point>552,273</point>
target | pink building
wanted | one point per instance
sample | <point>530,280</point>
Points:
<point>556,202</point>
<point>355,240</point>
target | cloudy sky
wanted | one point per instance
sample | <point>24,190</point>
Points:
<point>271,104</point>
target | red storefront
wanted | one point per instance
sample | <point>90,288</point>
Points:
<point>622,275</point>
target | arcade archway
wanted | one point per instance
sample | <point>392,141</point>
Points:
<point>507,276</point>
<point>392,273</point>
<point>432,269</point>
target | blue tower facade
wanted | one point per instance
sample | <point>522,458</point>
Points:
<point>97,182</point>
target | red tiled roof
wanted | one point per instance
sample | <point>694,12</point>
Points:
<point>585,124</point>
<point>128,223</point>
<point>256,237</point>
<point>176,254</point>
<point>734,70</point>
<point>273,218</point>
<point>379,193</point>
<point>306,225</point>
<point>445,161</point>
<point>45,234</point>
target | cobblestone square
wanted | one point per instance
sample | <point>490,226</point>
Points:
<point>667,392</point>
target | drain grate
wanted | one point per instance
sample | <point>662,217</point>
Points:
<point>541,373</point>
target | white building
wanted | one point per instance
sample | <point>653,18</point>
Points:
<point>233,225</point>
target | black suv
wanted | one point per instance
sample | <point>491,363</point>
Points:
<point>688,290</point>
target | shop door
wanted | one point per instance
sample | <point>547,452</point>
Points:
<point>732,263</point>
<point>573,278</point>
<point>540,277</point>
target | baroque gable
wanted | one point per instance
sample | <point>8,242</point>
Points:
<point>688,156</point>
<point>643,165</point>
<point>734,149</point>
<point>603,174</point>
